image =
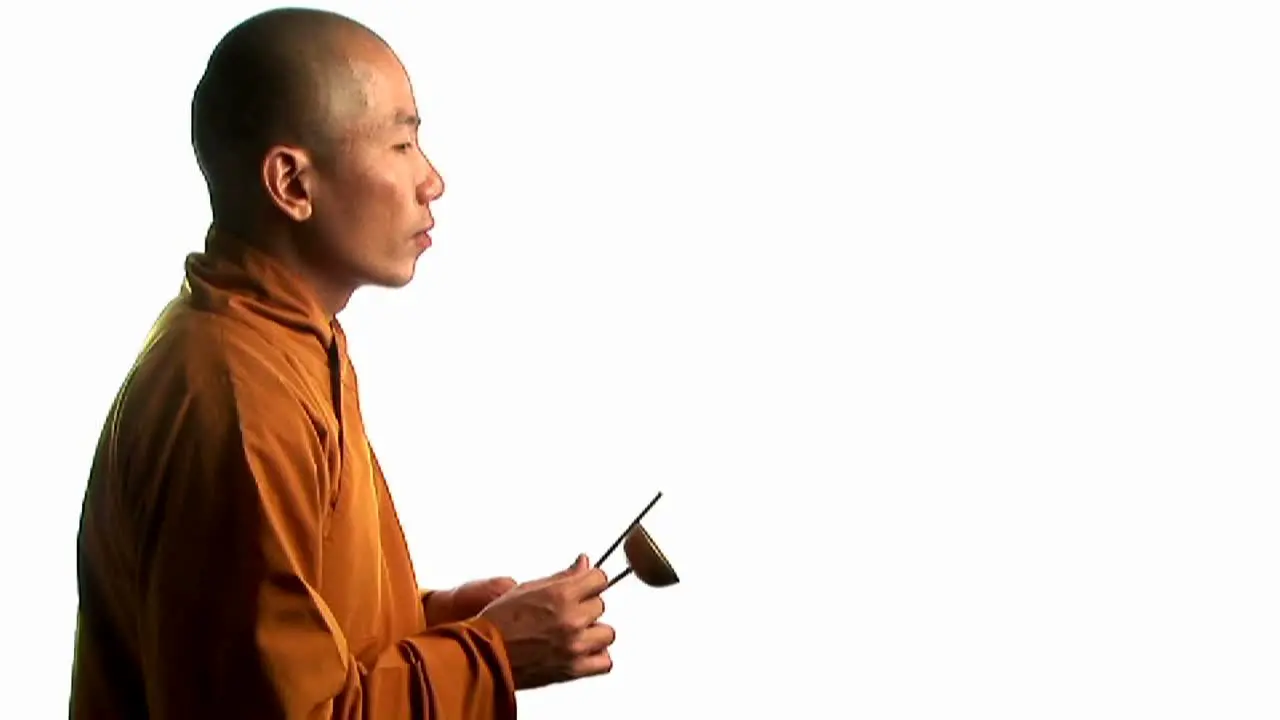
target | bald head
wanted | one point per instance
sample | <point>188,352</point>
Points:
<point>288,76</point>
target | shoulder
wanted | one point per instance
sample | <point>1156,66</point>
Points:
<point>204,375</point>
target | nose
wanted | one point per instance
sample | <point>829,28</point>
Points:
<point>432,188</point>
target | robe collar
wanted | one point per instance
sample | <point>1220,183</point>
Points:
<point>232,273</point>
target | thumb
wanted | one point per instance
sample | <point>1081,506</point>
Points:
<point>580,564</point>
<point>578,567</point>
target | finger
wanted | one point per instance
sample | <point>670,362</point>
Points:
<point>501,585</point>
<point>591,584</point>
<point>580,565</point>
<point>598,664</point>
<point>489,587</point>
<point>594,639</point>
<point>582,614</point>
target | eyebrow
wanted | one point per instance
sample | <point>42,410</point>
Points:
<point>404,118</point>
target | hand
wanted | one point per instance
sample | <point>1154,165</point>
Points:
<point>466,600</point>
<point>550,627</point>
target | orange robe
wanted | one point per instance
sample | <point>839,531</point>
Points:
<point>239,553</point>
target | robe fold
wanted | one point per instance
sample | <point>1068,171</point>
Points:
<point>239,554</point>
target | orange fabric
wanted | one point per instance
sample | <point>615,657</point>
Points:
<point>239,552</point>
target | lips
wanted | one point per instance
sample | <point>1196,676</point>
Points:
<point>422,238</point>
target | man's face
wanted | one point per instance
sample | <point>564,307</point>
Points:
<point>373,194</point>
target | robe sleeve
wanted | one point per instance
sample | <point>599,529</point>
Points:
<point>229,569</point>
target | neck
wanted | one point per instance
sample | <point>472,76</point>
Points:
<point>330,290</point>
<point>332,294</point>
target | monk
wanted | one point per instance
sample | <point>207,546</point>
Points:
<point>239,554</point>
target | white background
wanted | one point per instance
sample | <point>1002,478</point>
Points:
<point>949,331</point>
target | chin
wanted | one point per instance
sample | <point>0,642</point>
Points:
<point>394,278</point>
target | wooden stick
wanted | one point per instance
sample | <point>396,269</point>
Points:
<point>621,575</point>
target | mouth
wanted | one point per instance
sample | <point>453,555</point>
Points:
<point>422,238</point>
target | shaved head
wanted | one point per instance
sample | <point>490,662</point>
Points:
<point>306,128</point>
<point>289,76</point>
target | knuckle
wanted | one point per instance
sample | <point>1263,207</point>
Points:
<point>569,624</point>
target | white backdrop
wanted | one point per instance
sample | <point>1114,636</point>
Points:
<point>948,329</point>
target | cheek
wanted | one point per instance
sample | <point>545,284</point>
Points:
<point>387,202</point>
<point>371,212</point>
<point>364,207</point>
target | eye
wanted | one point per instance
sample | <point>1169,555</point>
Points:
<point>404,147</point>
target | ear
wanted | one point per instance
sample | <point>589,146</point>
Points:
<point>288,175</point>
